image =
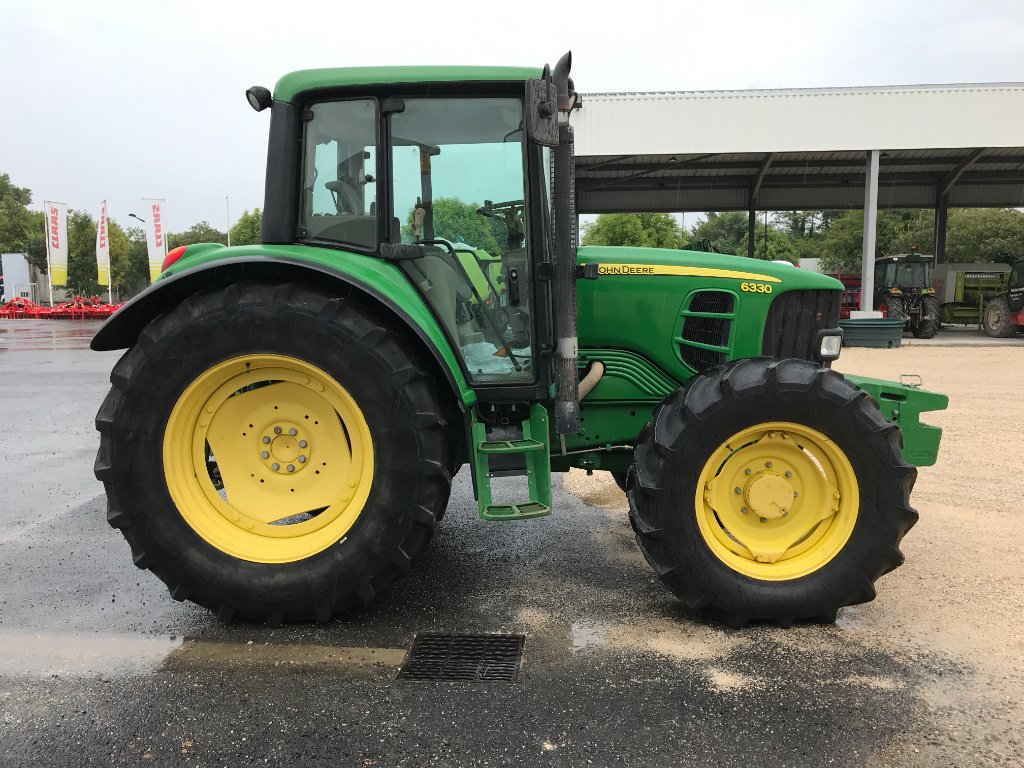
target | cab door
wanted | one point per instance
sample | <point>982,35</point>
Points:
<point>460,187</point>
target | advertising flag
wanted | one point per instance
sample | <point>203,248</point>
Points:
<point>102,248</point>
<point>155,242</point>
<point>57,242</point>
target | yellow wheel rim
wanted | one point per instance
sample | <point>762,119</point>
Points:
<point>268,458</point>
<point>777,501</point>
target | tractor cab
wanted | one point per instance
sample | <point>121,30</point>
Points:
<point>450,188</point>
<point>903,272</point>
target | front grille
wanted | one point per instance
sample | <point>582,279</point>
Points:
<point>794,319</point>
<point>706,330</point>
<point>711,301</point>
<point>464,658</point>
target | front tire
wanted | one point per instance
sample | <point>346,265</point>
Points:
<point>273,452</point>
<point>771,490</point>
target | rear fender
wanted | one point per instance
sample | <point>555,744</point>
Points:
<point>904,405</point>
<point>379,280</point>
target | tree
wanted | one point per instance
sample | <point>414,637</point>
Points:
<point>727,232</point>
<point>247,229</point>
<point>652,230</point>
<point>985,234</point>
<point>82,255</point>
<point>781,245</point>
<point>136,276</point>
<point>21,230</point>
<point>895,231</point>
<point>459,222</point>
<point>197,233</point>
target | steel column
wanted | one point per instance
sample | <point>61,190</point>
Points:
<point>941,215</point>
<point>867,266</point>
<point>751,213</point>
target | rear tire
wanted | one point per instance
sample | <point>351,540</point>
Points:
<point>395,429</point>
<point>997,319</point>
<point>930,321</point>
<point>685,466</point>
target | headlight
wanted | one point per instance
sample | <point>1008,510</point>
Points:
<point>830,347</point>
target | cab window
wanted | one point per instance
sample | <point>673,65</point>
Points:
<point>339,187</point>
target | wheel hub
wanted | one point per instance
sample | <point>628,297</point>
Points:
<point>769,495</point>
<point>285,448</point>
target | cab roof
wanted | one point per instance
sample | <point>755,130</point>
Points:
<point>339,77</point>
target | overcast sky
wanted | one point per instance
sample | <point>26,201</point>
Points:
<point>122,100</point>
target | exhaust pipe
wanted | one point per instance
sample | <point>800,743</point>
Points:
<point>567,406</point>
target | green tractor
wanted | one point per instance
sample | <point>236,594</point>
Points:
<point>903,290</point>
<point>281,435</point>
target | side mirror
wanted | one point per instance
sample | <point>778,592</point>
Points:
<point>542,111</point>
<point>401,251</point>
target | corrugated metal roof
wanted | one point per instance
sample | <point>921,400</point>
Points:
<point>706,150</point>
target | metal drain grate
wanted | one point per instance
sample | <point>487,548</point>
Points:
<point>463,658</point>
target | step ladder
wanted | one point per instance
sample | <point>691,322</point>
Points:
<point>534,447</point>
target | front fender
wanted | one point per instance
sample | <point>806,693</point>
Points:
<point>904,405</point>
<point>220,267</point>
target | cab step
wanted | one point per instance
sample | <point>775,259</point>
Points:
<point>533,446</point>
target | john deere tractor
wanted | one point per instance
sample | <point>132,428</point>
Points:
<point>903,290</point>
<point>282,432</point>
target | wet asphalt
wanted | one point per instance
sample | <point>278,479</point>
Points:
<point>98,666</point>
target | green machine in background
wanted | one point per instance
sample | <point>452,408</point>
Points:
<point>280,438</point>
<point>903,290</point>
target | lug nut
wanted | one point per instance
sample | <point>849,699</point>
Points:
<point>293,431</point>
<point>277,430</point>
<point>303,443</point>
<point>744,510</point>
<point>788,473</point>
<point>768,464</point>
<point>275,466</point>
<point>302,459</point>
<point>266,439</point>
<point>795,494</point>
<point>746,471</point>
<point>764,519</point>
<point>291,467</point>
<point>264,454</point>
<point>738,489</point>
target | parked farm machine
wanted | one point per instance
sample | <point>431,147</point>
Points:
<point>281,434</point>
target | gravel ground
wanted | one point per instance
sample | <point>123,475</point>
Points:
<point>958,595</point>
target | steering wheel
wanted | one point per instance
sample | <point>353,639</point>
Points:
<point>346,195</point>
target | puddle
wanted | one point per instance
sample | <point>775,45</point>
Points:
<point>199,654</point>
<point>80,655</point>
<point>35,335</point>
<point>88,655</point>
<point>584,636</point>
